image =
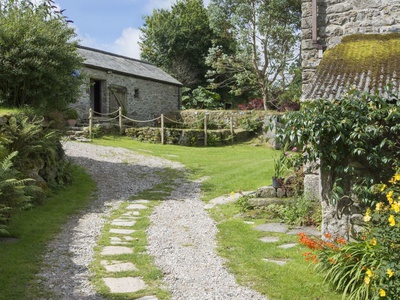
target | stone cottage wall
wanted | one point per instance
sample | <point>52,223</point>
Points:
<point>153,97</point>
<point>336,19</point>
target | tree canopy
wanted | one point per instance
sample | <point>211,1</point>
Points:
<point>177,40</point>
<point>38,57</point>
<point>264,55</point>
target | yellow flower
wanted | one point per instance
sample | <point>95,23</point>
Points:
<point>389,197</point>
<point>382,293</point>
<point>396,177</point>
<point>369,273</point>
<point>367,280</point>
<point>395,207</point>
<point>383,187</point>
<point>367,216</point>
<point>378,206</point>
<point>389,272</point>
<point>391,220</point>
<point>373,242</point>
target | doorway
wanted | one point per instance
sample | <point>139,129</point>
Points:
<point>95,95</point>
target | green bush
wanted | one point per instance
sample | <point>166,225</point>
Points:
<point>367,268</point>
<point>355,138</point>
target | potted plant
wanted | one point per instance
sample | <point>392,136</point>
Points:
<point>72,116</point>
<point>279,171</point>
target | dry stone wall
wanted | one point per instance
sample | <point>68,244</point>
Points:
<point>336,19</point>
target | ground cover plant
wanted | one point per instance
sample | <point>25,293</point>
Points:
<point>30,230</point>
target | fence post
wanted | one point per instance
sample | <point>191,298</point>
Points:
<point>90,122</point>
<point>120,119</point>
<point>205,130</point>
<point>162,129</point>
<point>231,127</point>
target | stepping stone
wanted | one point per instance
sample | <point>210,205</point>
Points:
<point>140,201</point>
<point>116,250</point>
<point>118,267</point>
<point>272,227</point>
<point>129,238</point>
<point>123,223</point>
<point>115,239</point>
<point>280,262</point>
<point>124,284</point>
<point>288,246</point>
<point>122,231</point>
<point>136,206</point>
<point>249,222</point>
<point>270,239</point>
<point>147,298</point>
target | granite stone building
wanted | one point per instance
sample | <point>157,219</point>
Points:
<point>143,90</point>
<point>346,44</point>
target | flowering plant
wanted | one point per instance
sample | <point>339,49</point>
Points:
<point>368,268</point>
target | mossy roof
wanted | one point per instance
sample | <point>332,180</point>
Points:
<point>367,62</point>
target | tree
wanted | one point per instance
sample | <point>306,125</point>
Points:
<point>38,57</point>
<point>178,40</point>
<point>267,35</point>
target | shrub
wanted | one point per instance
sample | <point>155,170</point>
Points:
<point>367,268</point>
<point>354,137</point>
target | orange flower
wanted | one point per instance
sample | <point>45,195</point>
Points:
<point>341,241</point>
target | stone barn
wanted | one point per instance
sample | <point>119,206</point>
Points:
<point>143,90</point>
<point>347,44</point>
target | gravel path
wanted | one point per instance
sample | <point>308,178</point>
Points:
<point>181,237</point>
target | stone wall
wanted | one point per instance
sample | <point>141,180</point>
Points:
<point>152,98</point>
<point>336,19</point>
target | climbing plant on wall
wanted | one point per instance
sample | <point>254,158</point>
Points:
<point>354,137</point>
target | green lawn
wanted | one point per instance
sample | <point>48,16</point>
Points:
<point>226,169</point>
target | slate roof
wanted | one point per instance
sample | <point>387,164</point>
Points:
<point>367,62</point>
<point>124,65</point>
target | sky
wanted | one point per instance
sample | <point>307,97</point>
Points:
<point>111,25</point>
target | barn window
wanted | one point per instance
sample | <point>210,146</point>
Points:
<point>136,94</point>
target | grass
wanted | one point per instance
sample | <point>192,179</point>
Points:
<point>240,244</point>
<point>146,268</point>
<point>225,169</point>
<point>20,259</point>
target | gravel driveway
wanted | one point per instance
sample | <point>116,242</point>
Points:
<point>181,237</point>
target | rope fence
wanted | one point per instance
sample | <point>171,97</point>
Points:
<point>162,118</point>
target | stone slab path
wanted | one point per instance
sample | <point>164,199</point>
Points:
<point>121,243</point>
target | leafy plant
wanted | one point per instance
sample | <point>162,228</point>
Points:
<point>39,58</point>
<point>355,137</point>
<point>14,192</point>
<point>40,153</point>
<point>367,268</point>
<point>302,211</point>
<point>244,203</point>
